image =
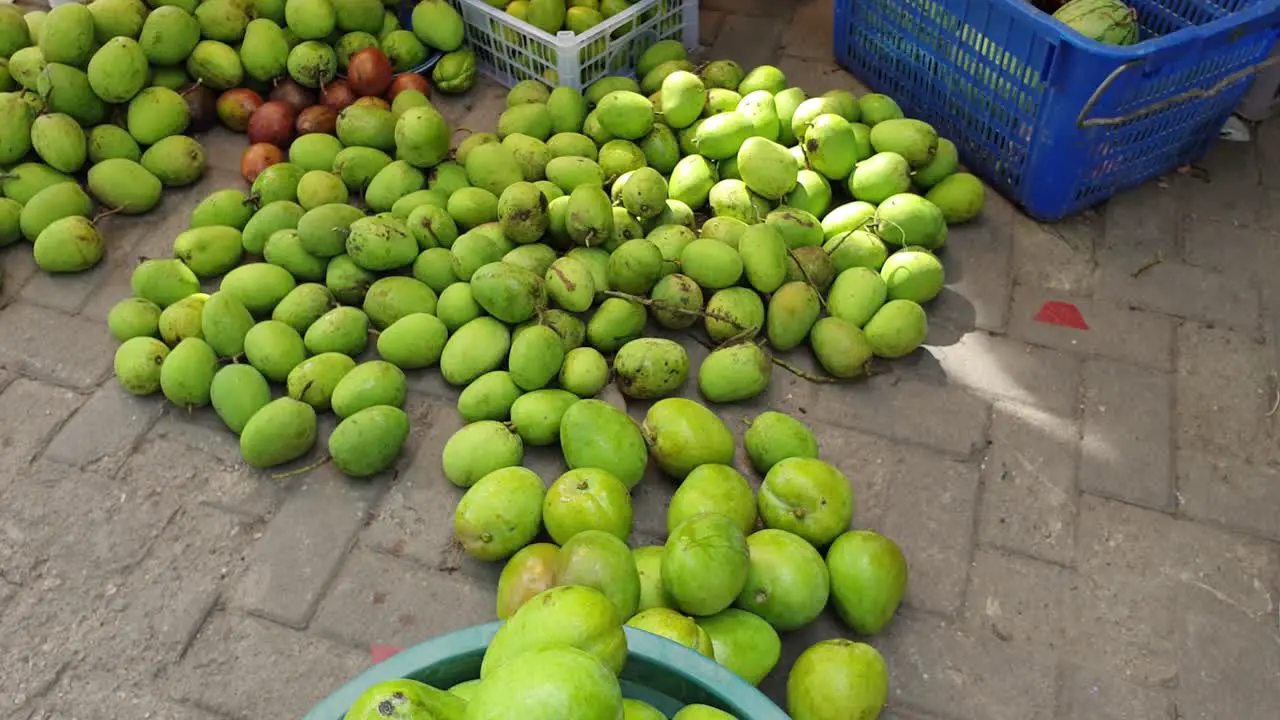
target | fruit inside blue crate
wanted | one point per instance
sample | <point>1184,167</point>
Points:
<point>1108,21</point>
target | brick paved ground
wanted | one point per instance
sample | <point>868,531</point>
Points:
<point>1092,518</point>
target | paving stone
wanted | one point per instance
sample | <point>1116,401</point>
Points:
<point>1088,694</point>
<point>18,266</point>
<point>303,546</point>
<point>1230,187</point>
<point>1184,291</point>
<point>157,610</point>
<point>65,292</point>
<point>809,34</point>
<point>1012,370</point>
<point>1126,449</point>
<point>978,256</point>
<point>203,478</point>
<point>1115,331</point>
<point>53,346</point>
<point>1226,389</point>
<point>111,534</point>
<point>1140,570</point>
<point>382,600</point>
<point>1029,483</point>
<point>245,667</point>
<point>940,416</point>
<point>223,149</point>
<point>1140,225</point>
<point>749,40</point>
<point>91,695</point>
<point>923,500</point>
<point>34,657</point>
<point>200,429</point>
<point>415,517</point>
<point>30,412</point>
<point>1229,667</point>
<point>818,76</point>
<point>1230,492</point>
<point>105,430</point>
<point>1052,258</point>
<point>1018,600</point>
<point>1243,253</point>
<point>941,668</point>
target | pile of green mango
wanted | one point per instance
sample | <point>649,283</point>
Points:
<point>91,107</point>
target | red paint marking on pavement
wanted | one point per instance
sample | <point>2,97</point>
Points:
<point>382,652</point>
<point>1065,314</point>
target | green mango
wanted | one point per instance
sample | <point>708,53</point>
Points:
<point>488,397</point>
<point>187,373</point>
<point>303,306</point>
<point>456,306</point>
<point>792,311</point>
<point>182,319</point>
<point>315,151</point>
<point>66,89</point>
<point>392,298</point>
<point>118,71</point>
<point>650,368</point>
<point>70,244</point>
<point>584,372</point>
<point>342,330</point>
<point>176,160</point>
<point>371,383</point>
<point>274,348</point>
<point>23,182</point>
<point>357,165</point>
<point>138,362</point>
<point>434,268</point>
<point>537,354</point>
<point>381,242</point>
<point>615,323</point>
<point>230,208</point>
<point>734,313</point>
<point>479,449</point>
<point>224,322</point>
<point>711,264</point>
<point>59,141</point>
<point>237,393</point>
<point>156,113</point>
<point>270,218</point>
<point>414,341</point>
<point>323,230</point>
<point>284,248</point>
<point>772,437</point>
<point>347,281</point>
<point>479,346</point>
<point>133,317</point>
<point>320,187</point>
<point>169,35</point>
<point>209,251</point>
<point>313,380</point>
<point>536,415</point>
<point>67,35</point>
<point>595,434</point>
<point>392,183</point>
<point>683,434</point>
<point>764,257</point>
<point>510,293</point>
<point>264,52</point>
<point>368,442</point>
<point>570,284</point>
<point>163,281</point>
<point>124,185</point>
<point>734,373</point>
<point>282,431</point>
<point>215,64</point>
<point>258,286</point>
<point>278,182</point>
<point>677,302</point>
<point>51,204</point>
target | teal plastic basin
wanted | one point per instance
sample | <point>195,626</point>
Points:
<point>660,672</point>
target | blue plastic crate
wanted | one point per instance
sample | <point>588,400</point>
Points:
<point>1055,121</point>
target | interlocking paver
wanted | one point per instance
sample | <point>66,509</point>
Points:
<point>247,667</point>
<point>379,599</point>
<point>1185,291</point>
<point>1231,492</point>
<point>1229,666</point>
<point>1012,370</point>
<point>1114,331</point>
<point>303,546</point>
<point>97,695</point>
<point>1226,392</point>
<point>942,668</point>
<point>30,412</point>
<point>53,346</point>
<point>1017,599</point>
<point>811,23</point>
<point>1126,451</point>
<point>1140,226</point>
<point>1051,258</point>
<point>977,258</point>
<point>1090,694</point>
<point>104,431</point>
<point>1029,483</point>
<point>749,40</point>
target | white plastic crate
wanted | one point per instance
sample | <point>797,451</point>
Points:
<point>510,50</point>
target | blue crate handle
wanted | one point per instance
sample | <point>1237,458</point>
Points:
<point>1192,94</point>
